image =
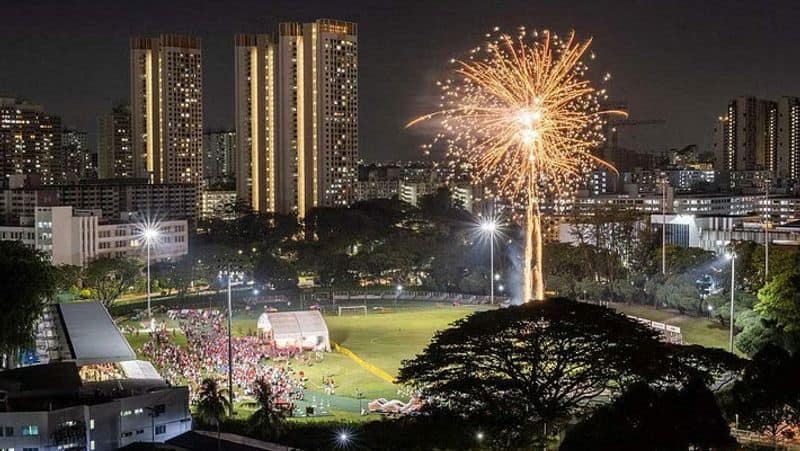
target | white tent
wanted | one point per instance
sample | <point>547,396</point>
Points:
<point>306,329</point>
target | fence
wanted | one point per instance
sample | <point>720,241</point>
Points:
<point>406,295</point>
<point>670,334</point>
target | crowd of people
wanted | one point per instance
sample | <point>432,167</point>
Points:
<point>206,355</point>
<point>100,372</point>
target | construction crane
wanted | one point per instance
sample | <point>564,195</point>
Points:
<point>610,148</point>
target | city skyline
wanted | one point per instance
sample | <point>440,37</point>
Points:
<point>667,64</point>
<point>297,100</point>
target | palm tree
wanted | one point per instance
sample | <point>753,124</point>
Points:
<point>214,404</point>
<point>269,418</point>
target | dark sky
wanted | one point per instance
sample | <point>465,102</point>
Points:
<point>674,60</point>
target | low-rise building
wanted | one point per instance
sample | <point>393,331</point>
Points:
<point>87,392</point>
<point>377,181</point>
<point>218,204</point>
<point>463,195</point>
<point>76,237</point>
<point>111,196</point>
<point>715,233</point>
<point>412,192</point>
<point>781,208</point>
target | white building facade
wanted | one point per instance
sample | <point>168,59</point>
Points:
<point>76,237</point>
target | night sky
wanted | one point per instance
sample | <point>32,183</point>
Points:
<point>674,60</point>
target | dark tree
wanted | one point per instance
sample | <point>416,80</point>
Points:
<point>27,280</point>
<point>213,405</point>
<point>767,398</point>
<point>528,369</point>
<point>268,421</point>
<point>648,418</point>
<point>109,278</point>
<point>269,269</point>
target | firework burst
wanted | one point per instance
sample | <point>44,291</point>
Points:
<point>519,115</point>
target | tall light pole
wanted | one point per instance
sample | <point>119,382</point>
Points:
<point>230,276</point>
<point>664,226</point>
<point>490,227</point>
<point>767,219</point>
<point>150,236</point>
<point>732,256</point>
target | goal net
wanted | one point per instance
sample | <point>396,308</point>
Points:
<point>352,310</point>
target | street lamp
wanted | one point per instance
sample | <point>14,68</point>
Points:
<point>732,257</point>
<point>489,227</point>
<point>150,236</point>
<point>230,278</point>
<point>399,290</point>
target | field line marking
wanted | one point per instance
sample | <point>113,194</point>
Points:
<point>363,363</point>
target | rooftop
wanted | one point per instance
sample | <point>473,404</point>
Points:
<point>58,385</point>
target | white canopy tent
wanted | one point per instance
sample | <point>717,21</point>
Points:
<point>306,329</point>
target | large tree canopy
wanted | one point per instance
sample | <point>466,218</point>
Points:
<point>110,277</point>
<point>779,301</point>
<point>529,368</point>
<point>647,418</point>
<point>27,280</point>
<point>767,398</point>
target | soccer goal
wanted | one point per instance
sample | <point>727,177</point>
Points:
<point>352,310</point>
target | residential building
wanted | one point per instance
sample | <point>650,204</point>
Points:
<point>114,147</point>
<point>463,195</point>
<point>30,141</point>
<point>218,204</point>
<point>119,196</point>
<point>114,197</point>
<point>421,171</point>
<point>75,237</point>
<point>377,181</point>
<point>412,192</point>
<point>167,109</point>
<point>297,116</point>
<point>746,137</point>
<point>219,150</point>
<point>77,157</point>
<point>788,151</point>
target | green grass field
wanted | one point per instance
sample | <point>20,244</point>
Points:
<point>386,339</point>
<point>695,330</point>
<point>382,339</point>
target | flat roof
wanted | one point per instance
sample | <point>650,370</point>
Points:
<point>92,335</point>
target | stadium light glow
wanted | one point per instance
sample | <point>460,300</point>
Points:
<point>148,231</point>
<point>344,438</point>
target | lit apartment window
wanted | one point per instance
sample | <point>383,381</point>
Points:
<point>30,430</point>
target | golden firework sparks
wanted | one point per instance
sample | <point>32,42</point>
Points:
<point>521,117</point>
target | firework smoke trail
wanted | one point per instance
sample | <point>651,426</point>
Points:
<point>519,115</point>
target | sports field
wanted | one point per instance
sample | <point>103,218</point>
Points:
<point>383,339</point>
